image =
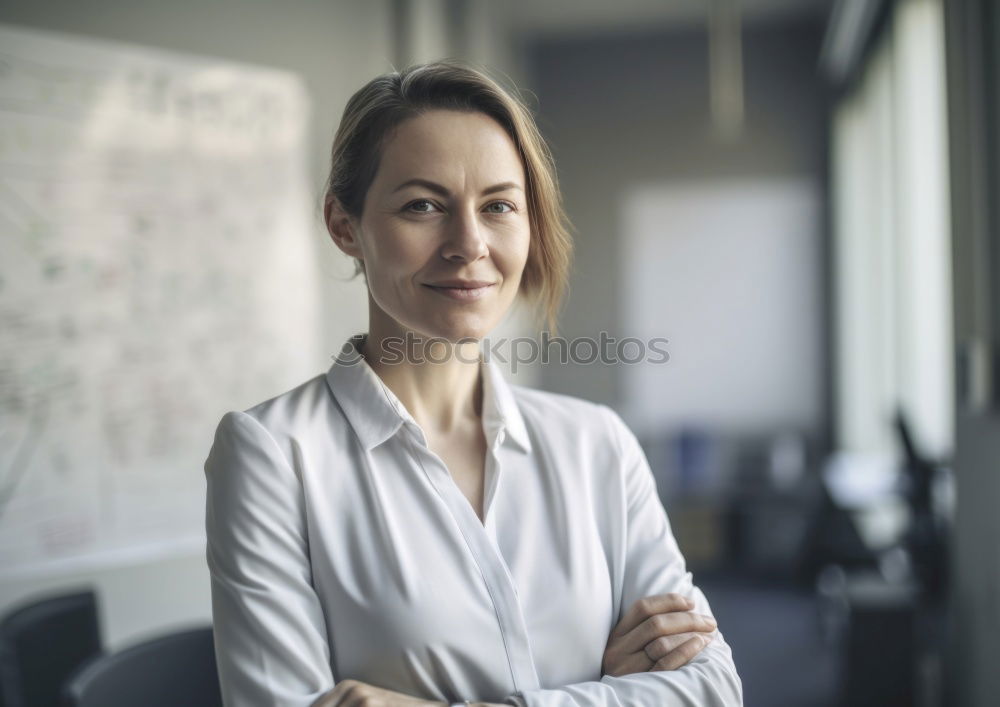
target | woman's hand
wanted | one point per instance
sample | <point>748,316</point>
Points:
<point>354,693</point>
<point>657,633</point>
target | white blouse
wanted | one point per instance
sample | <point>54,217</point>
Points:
<point>340,547</point>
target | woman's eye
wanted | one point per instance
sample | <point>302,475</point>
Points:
<point>423,206</point>
<point>502,205</point>
<point>418,206</point>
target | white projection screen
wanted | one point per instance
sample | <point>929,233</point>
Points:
<point>729,272</point>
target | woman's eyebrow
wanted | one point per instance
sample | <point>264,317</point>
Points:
<point>438,189</point>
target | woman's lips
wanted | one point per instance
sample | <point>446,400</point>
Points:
<point>462,294</point>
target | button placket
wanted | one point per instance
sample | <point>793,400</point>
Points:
<point>493,568</point>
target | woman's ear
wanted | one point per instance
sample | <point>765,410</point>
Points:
<point>342,228</point>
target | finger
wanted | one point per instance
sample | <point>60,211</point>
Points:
<point>334,697</point>
<point>353,695</point>
<point>663,645</point>
<point>682,656</point>
<point>355,700</point>
<point>646,607</point>
<point>345,698</point>
<point>345,693</point>
<point>666,625</point>
<point>632,663</point>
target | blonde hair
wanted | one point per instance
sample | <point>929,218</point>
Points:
<point>387,100</point>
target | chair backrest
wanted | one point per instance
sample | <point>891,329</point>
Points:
<point>43,643</point>
<point>176,669</point>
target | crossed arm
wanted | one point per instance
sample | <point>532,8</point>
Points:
<point>654,656</point>
<point>658,633</point>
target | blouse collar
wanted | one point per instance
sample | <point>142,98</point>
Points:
<point>376,413</point>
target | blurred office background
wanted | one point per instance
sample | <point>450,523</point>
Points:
<point>799,195</point>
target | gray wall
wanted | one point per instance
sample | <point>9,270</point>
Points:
<point>973,26</point>
<point>635,108</point>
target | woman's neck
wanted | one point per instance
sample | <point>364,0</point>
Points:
<point>439,383</point>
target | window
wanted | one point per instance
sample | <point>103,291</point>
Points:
<point>892,241</point>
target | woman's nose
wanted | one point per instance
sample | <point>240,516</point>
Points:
<point>465,238</point>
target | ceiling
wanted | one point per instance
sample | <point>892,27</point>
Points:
<point>561,17</point>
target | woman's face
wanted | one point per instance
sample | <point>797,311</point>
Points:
<point>447,203</point>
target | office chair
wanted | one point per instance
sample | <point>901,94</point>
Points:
<point>42,644</point>
<point>927,538</point>
<point>171,670</point>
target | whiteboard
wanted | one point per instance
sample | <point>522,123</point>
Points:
<point>729,271</point>
<point>156,270</point>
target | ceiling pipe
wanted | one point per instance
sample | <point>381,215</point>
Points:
<point>725,53</point>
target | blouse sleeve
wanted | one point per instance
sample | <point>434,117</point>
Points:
<point>653,565</point>
<point>270,637</point>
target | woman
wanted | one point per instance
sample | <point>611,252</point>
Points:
<point>410,529</point>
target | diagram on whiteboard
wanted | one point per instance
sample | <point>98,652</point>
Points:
<point>156,270</point>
